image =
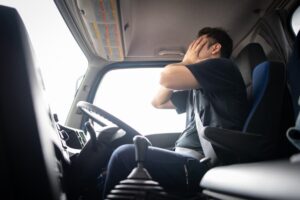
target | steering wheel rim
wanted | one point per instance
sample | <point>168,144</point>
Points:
<point>93,111</point>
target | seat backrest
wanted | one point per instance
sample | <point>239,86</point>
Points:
<point>29,168</point>
<point>268,84</point>
<point>249,57</point>
<point>271,113</point>
<point>261,136</point>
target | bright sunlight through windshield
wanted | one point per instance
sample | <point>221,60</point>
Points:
<point>56,52</point>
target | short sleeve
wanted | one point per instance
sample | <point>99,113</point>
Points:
<point>217,75</point>
<point>179,100</point>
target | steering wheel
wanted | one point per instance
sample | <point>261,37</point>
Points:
<point>95,113</point>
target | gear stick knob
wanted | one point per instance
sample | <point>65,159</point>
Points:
<point>139,184</point>
<point>141,145</point>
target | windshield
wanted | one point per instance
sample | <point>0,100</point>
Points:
<point>56,52</point>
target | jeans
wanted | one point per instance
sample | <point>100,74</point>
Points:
<point>176,173</point>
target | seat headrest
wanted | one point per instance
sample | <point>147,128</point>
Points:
<point>250,56</point>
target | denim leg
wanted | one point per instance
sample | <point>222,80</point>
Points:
<point>168,168</point>
<point>120,165</point>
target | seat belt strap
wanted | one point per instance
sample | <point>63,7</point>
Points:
<point>205,144</point>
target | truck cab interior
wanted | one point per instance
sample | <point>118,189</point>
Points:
<point>42,158</point>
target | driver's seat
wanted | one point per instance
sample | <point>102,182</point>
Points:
<point>262,135</point>
<point>29,167</point>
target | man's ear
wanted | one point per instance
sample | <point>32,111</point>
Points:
<point>216,49</point>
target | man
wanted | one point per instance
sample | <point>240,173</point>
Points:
<point>206,79</point>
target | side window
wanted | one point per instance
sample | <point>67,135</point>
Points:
<point>127,94</point>
<point>295,21</point>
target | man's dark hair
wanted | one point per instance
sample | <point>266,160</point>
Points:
<point>219,36</point>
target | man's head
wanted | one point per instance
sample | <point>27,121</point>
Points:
<point>219,42</point>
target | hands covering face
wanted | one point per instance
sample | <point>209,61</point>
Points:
<point>198,51</point>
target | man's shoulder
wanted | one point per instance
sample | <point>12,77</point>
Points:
<point>215,63</point>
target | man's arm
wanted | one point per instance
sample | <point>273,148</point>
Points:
<point>173,77</point>
<point>177,76</point>
<point>162,99</point>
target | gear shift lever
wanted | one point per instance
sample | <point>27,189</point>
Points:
<point>141,146</point>
<point>139,184</point>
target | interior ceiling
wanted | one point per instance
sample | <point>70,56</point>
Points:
<point>156,29</point>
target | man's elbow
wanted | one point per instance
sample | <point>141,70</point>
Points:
<point>155,103</point>
<point>166,79</point>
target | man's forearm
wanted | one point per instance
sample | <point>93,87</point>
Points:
<point>162,98</point>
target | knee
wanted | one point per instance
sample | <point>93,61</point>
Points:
<point>124,152</point>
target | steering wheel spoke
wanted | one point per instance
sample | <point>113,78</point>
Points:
<point>97,114</point>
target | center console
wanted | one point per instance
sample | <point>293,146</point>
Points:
<point>278,179</point>
<point>74,138</point>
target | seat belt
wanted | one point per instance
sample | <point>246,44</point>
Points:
<point>205,144</point>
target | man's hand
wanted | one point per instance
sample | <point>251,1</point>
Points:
<point>178,77</point>
<point>193,53</point>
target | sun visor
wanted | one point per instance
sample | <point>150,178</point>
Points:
<point>101,21</point>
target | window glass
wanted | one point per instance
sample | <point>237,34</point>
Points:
<point>296,21</point>
<point>127,94</point>
<point>56,52</point>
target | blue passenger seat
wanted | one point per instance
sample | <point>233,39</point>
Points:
<point>263,134</point>
<point>280,176</point>
<point>249,57</point>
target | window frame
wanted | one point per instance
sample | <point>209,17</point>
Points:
<point>116,66</point>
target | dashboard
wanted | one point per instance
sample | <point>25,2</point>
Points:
<point>74,138</point>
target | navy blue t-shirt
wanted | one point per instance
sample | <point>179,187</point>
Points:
<point>222,99</point>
